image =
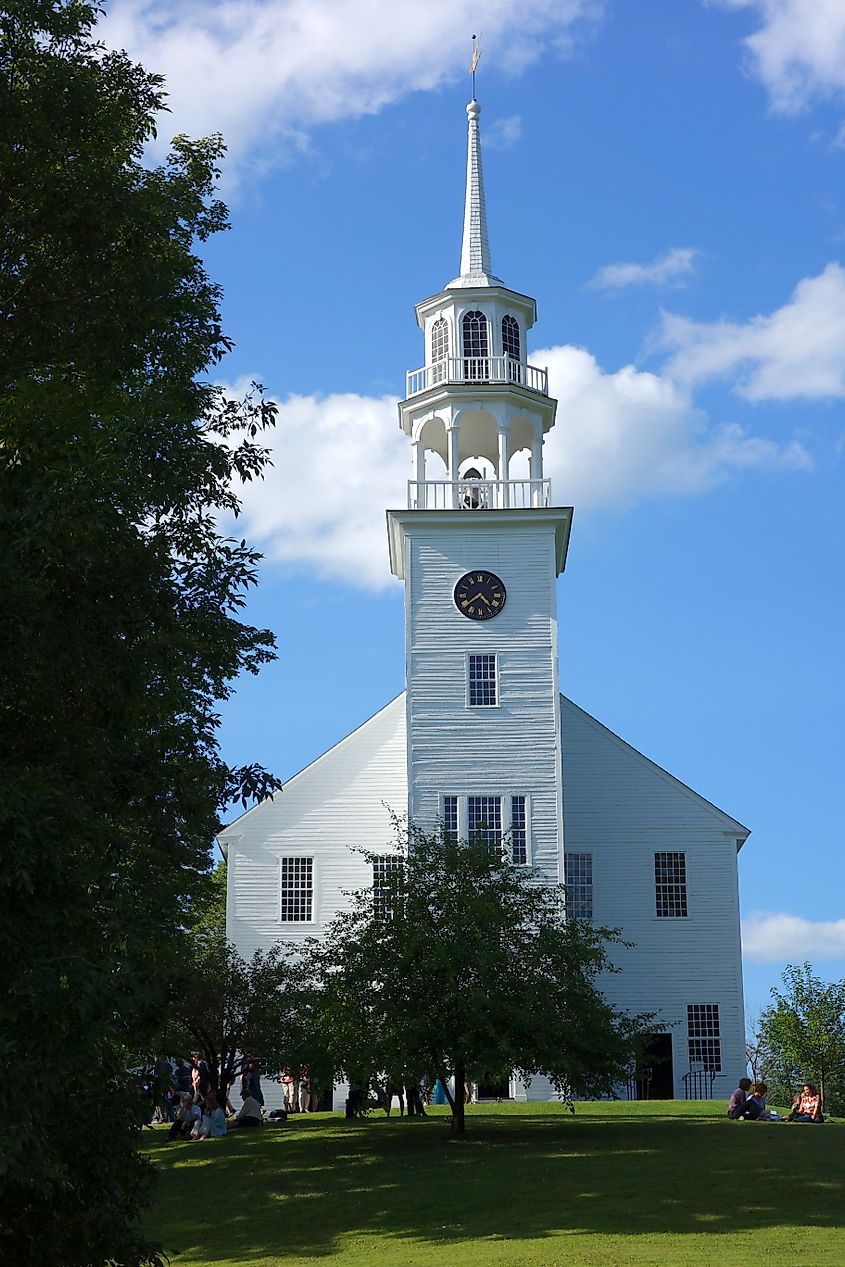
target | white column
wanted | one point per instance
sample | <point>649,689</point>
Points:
<point>418,461</point>
<point>504,464</point>
<point>452,440</point>
<point>535,471</point>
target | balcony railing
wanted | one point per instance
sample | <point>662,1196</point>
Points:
<point>477,369</point>
<point>479,494</point>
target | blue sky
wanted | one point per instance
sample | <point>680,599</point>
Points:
<point>667,179</point>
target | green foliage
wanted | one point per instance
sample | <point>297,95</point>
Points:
<point>463,965</point>
<point>232,1009</point>
<point>119,615</point>
<point>803,1035</point>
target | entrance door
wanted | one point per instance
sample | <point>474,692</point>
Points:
<point>494,1090</point>
<point>655,1077</point>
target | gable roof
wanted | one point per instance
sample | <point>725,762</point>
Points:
<point>729,824</point>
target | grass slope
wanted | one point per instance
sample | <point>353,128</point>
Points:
<point>618,1184</point>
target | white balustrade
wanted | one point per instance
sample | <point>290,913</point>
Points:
<point>479,494</point>
<point>477,369</point>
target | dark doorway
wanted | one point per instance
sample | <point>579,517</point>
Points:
<point>494,1090</point>
<point>655,1077</point>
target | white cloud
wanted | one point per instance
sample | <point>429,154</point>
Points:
<point>503,133</point>
<point>667,268</point>
<point>779,938</point>
<point>620,438</point>
<point>797,351</point>
<point>263,72</point>
<point>799,50</point>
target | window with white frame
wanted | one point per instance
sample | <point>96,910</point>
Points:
<point>519,831</point>
<point>482,689</point>
<point>296,890</point>
<point>510,337</point>
<point>484,820</point>
<point>670,885</point>
<point>450,816</point>
<point>578,883</point>
<point>387,875</point>
<point>439,340</point>
<point>705,1043</point>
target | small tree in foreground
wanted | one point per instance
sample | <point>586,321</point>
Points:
<point>460,964</point>
<point>803,1033</point>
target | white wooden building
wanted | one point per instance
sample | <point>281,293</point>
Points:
<point>482,739</point>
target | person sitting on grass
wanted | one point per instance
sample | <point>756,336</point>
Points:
<point>758,1099</point>
<point>807,1107</point>
<point>739,1106</point>
<point>183,1123</point>
<point>250,1113</point>
<point>212,1122</point>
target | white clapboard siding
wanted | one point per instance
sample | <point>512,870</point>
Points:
<point>513,748</point>
<point>622,808</point>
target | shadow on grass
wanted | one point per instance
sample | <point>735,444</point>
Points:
<point>300,1189</point>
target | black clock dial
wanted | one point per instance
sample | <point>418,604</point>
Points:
<point>480,595</point>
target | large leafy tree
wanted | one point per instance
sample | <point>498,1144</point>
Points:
<point>120,624</point>
<point>458,964</point>
<point>803,1034</point>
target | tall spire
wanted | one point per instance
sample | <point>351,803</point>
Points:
<point>476,268</point>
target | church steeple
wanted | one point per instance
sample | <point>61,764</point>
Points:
<point>476,267</point>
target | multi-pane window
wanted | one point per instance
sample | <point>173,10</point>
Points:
<point>484,820</point>
<point>670,884</point>
<point>510,337</point>
<point>705,1045</point>
<point>450,815</point>
<point>387,873</point>
<point>578,881</point>
<point>482,681</point>
<point>474,331</point>
<point>296,889</point>
<point>519,830</point>
<point>439,340</point>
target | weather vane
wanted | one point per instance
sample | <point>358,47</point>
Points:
<point>474,60</point>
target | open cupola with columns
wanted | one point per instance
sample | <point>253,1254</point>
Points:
<point>477,401</point>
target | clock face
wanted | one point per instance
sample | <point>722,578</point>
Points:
<point>480,595</point>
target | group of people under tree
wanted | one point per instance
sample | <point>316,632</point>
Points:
<point>748,1103</point>
<point>192,1098</point>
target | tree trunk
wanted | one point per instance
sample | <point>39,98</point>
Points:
<point>458,1117</point>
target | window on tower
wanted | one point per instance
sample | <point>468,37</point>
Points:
<point>484,820</point>
<point>475,346</point>
<point>510,347</point>
<point>670,883</point>
<point>705,1042</point>
<point>482,687</point>
<point>439,349</point>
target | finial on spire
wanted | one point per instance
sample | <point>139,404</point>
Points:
<point>474,60</point>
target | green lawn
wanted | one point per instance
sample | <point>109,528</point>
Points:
<point>616,1185</point>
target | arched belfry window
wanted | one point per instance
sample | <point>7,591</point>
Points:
<point>510,347</point>
<point>439,348</point>
<point>510,337</point>
<point>475,348</point>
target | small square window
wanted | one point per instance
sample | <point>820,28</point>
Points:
<point>482,692</point>
<point>296,890</point>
